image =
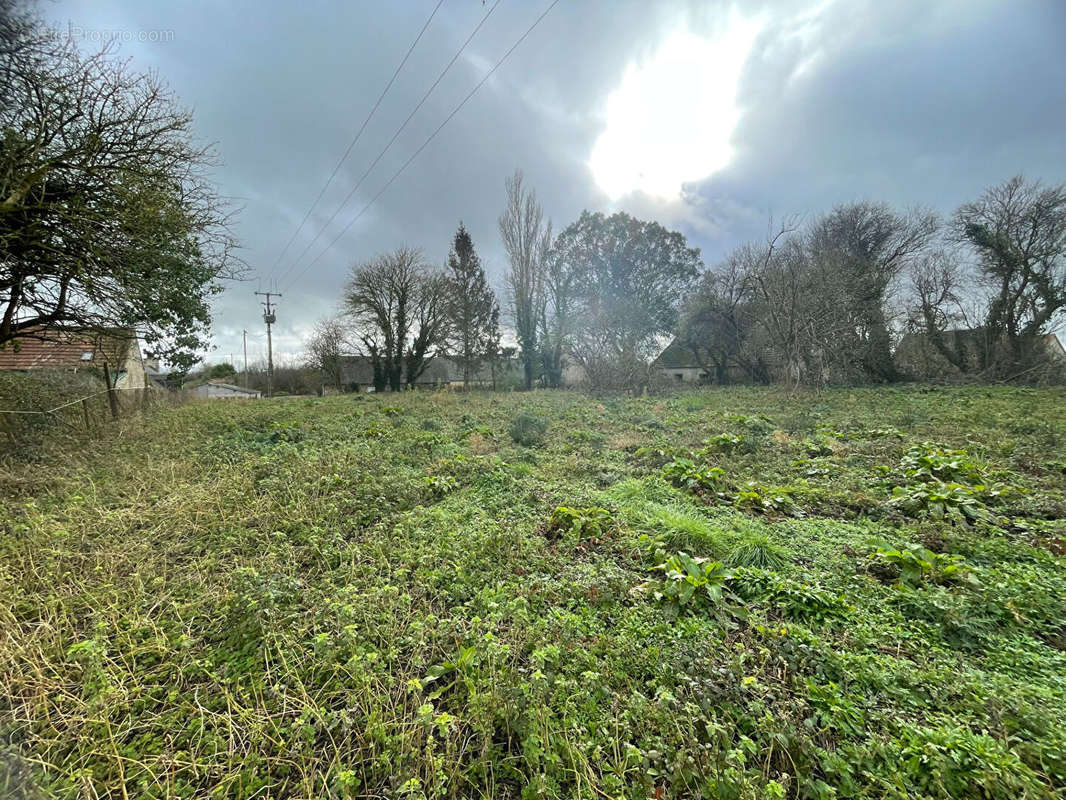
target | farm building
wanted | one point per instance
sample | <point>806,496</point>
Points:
<point>217,390</point>
<point>80,350</point>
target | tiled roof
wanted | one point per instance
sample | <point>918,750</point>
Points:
<point>68,349</point>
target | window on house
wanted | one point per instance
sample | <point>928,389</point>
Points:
<point>679,376</point>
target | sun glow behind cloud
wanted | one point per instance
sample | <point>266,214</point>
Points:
<point>672,118</point>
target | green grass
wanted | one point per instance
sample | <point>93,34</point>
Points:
<point>375,597</point>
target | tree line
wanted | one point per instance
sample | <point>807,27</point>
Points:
<point>862,294</point>
<point>868,294</point>
<point>599,295</point>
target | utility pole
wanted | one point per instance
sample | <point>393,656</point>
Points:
<point>269,318</point>
<point>244,335</point>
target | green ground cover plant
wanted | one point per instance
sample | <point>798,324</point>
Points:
<point>374,597</point>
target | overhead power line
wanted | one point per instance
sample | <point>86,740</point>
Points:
<point>425,144</point>
<point>355,139</point>
<point>391,141</point>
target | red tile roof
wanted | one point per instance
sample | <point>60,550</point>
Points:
<point>39,349</point>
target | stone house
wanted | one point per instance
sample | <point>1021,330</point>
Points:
<point>81,350</point>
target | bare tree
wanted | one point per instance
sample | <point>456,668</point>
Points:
<point>983,304</point>
<point>557,310</point>
<point>527,240</point>
<point>1017,231</point>
<point>813,303</point>
<point>326,349</point>
<point>379,297</point>
<point>399,309</point>
<point>432,324</point>
<point>717,322</point>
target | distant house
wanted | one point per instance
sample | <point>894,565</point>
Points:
<point>79,350</point>
<point>680,365</point>
<point>217,390</point>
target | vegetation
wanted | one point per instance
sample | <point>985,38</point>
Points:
<point>473,312</point>
<point>1017,234</point>
<point>527,239</point>
<point>399,310</point>
<point>344,597</point>
<point>627,279</point>
<point>864,294</point>
<point>107,214</point>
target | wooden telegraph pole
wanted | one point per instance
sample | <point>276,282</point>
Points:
<point>244,334</point>
<point>269,318</point>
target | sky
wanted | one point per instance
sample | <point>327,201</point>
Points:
<point>709,117</point>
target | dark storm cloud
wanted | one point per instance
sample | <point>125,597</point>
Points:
<point>913,103</point>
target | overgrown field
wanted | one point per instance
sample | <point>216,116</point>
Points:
<point>731,594</point>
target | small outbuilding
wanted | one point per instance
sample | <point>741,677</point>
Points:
<point>217,390</point>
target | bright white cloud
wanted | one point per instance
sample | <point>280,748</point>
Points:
<point>672,118</point>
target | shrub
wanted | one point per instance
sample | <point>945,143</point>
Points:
<point>818,447</point>
<point>760,500</point>
<point>440,485</point>
<point>528,429</point>
<point>755,423</point>
<point>927,462</point>
<point>793,599</point>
